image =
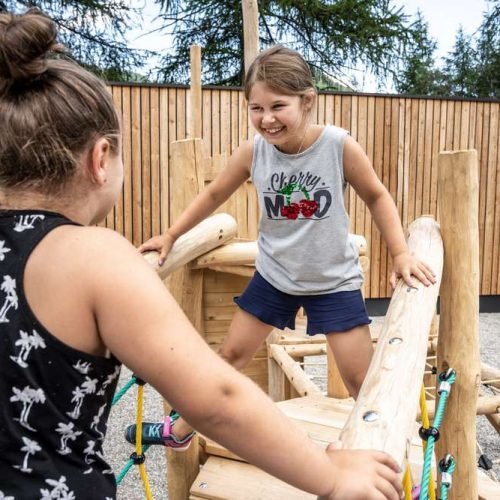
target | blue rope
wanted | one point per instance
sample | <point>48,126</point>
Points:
<point>447,379</point>
<point>128,466</point>
<point>446,467</point>
<point>123,390</point>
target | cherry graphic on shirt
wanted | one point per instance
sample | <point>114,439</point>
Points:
<point>306,206</point>
<point>291,211</point>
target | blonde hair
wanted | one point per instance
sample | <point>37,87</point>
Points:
<point>282,69</point>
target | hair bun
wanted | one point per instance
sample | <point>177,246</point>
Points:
<point>25,41</point>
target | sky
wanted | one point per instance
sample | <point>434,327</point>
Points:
<point>444,17</point>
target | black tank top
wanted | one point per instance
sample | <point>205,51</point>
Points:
<point>54,400</point>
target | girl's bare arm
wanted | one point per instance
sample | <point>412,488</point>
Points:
<point>359,172</point>
<point>143,326</point>
<point>214,195</point>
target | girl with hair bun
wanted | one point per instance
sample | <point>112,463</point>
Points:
<point>77,300</point>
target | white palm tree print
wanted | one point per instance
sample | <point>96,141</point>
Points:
<point>27,342</point>
<point>60,490</point>
<point>3,497</point>
<point>28,396</point>
<point>9,287</point>
<point>3,251</point>
<point>30,448</point>
<point>97,420</point>
<point>82,366</point>
<point>26,222</point>
<point>67,432</point>
<point>88,387</point>
<point>108,380</point>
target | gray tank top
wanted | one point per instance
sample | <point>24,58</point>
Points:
<point>304,244</point>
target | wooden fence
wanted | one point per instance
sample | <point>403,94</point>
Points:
<point>402,136</point>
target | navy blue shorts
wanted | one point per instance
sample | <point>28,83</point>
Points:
<point>332,312</point>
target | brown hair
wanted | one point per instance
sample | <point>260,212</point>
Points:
<point>282,69</point>
<point>50,109</point>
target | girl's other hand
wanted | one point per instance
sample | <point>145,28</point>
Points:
<point>362,475</point>
<point>405,265</point>
<point>162,243</point>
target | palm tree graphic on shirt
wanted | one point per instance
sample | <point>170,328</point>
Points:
<point>9,287</point>
<point>30,448</point>
<point>27,342</point>
<point>79,393</point>
<point>68,433</point>
<point>3,251</point>
<point>28,397</point>
<point>3,497</point>
<point>60,490</point>
<point>27,222</point>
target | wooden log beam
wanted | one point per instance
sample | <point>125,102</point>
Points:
<point>486,405</point>
<point>383,417</point>
<point>293,371</point>
<point>243,253</point>
<point>489,373</point>
<point>301,350</point>
<point>458,341</point>
<point>207,235</point>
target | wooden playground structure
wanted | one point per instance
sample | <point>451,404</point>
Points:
<point>211,267</point>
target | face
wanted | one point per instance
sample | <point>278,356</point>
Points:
<point>280,119</point>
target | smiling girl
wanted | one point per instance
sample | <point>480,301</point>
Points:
<point>305,256</point>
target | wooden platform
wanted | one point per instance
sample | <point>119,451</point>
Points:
<point>226,476</point>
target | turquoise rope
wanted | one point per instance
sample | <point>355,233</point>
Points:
<point>123,390</point>
<point>446,486</point>
<point>128,465</point>
<point>426,471</point>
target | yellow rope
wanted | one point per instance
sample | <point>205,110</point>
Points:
<point>138,440</point>
<point>407,483</point>
<point>426,424</point>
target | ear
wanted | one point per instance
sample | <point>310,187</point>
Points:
<point>98,161</point>
<point>308,99</point>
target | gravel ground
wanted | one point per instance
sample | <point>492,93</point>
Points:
<point>117,450</point>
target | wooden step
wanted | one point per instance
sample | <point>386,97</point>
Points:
<point>225,476</point>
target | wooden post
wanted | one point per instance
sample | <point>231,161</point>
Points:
<point>186,285</point>
<point>195,126</point>
<point>458,344</point>
<point>383,417</point>
<point>250,30</point>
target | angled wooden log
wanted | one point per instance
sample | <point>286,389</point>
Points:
<point>293,371</point>
<point>383,417</point>
<point>207,235</point>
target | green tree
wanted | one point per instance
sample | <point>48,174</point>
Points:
<point>419,74</point>
<point>93,31</point>
<point>333,35</point>
<point>488,54</point>
<point>459,69</point>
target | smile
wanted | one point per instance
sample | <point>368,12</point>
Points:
<point>273,131</point>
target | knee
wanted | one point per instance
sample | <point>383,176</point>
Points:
<point>234,356</point>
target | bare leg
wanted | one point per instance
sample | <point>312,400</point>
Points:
<point>246,335</point>
<point>353,352</point>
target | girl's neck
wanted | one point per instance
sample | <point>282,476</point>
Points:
<point>304,140</point>
<point>11,199</point>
